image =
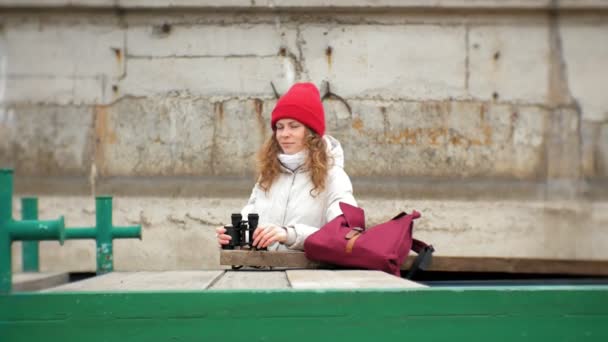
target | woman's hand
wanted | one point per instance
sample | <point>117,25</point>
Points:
<point>222,238</point>
<point>266,235</point>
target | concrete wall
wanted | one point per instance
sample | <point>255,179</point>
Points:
<point>458,100</point>
<point>431,94</point>
<point>178,233</point>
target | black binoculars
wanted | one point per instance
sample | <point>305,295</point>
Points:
<point>241,231</point>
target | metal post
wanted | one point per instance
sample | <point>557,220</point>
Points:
<point>103,208</point>
<point>6,195</point>
<point>104,233</point>
<point>11,230</point>
<point>29,249</point>
<point>6,215</point>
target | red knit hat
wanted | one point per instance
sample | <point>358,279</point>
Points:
<point>301,102</point>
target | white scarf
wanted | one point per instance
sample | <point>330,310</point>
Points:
<point>293,161</point>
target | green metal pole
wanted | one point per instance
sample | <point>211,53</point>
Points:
<point>37,230</point>
<point>11,230</point>
<point>29,249</point>
<point>5,265</point>
<point>104,233</point>
<point>6,215</point>
<point>131,232</point>
<point>6,195</point>
<point>81,233</point>
<point>103,211</point>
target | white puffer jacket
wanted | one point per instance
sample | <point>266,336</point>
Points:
<point>288,202</point>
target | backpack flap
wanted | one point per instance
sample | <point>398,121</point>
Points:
<point>355,217</point>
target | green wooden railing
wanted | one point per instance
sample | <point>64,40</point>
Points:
<point>447,314</point>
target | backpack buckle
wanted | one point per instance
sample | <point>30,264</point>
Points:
<point>354,232</point>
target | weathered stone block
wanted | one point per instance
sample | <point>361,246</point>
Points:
<point>48,140</point>
<point>505,67</point>
<point>57,3</point>
<point>585,53</point>
<point>212,76</point>
<point>602,147</point>
<point>443,139</point>
<point>7,130</point>
<point>55,49</point>
<point>412,62</point>
<point>241,129</point>
<point>164,136</point>
<point>253,40</point>
<point>563,145</point>
<point>590,148</point>
<point>57,90</point>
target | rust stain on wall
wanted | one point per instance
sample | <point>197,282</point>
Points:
<point>358,124</point>
<point>117,54</point>
<point>258,106</point>
<point>219,110</point>
<point>435,133</point>
<point>487,132</point>
<point>328,54</point>
<point>409,136</point>
<point>103,136</point>
<point>432,136</point>
<point>436,136</point>
<point>456,140</point>
<point>485,128</point>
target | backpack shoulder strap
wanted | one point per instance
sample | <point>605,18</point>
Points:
<point>423,260</point>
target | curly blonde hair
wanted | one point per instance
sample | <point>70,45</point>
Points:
<point>317,162</point>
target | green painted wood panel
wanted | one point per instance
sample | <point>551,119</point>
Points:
<point>496,314</point>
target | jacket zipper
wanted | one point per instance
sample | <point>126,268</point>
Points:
<point>293,180</point>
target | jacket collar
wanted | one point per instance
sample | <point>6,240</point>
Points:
<point>302,168</point>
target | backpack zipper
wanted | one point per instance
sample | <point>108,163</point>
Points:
<point>293,180</point>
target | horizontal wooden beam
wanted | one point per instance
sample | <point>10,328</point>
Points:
<point>264,258</point>
<point>516,314</point>
<point>517,265</point>
<point>440,263</point>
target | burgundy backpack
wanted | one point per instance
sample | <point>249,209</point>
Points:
<point>344,241</point>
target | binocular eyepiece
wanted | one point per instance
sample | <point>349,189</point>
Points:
<point>241,231</point>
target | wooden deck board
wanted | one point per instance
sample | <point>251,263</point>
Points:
<point>36,281</point>
<point>518,265</point>
<point>254,279</point>
<point>241,279</point>
<point>144,281</point>
<point>439,263</point>
<point>346,279</point>
<point>294,259</point>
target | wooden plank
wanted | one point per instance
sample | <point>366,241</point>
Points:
<point>346,279</point>
<point>35,281</point>
<point>293,259</point>
<point>516,265</point>
<point>144,281</point>
<point>440,263</point>
<point>461,314</point>
<point>252,279</point>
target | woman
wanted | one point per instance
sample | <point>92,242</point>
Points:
<point>301,176</point>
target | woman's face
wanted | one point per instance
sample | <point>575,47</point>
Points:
<point>291,135</point>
